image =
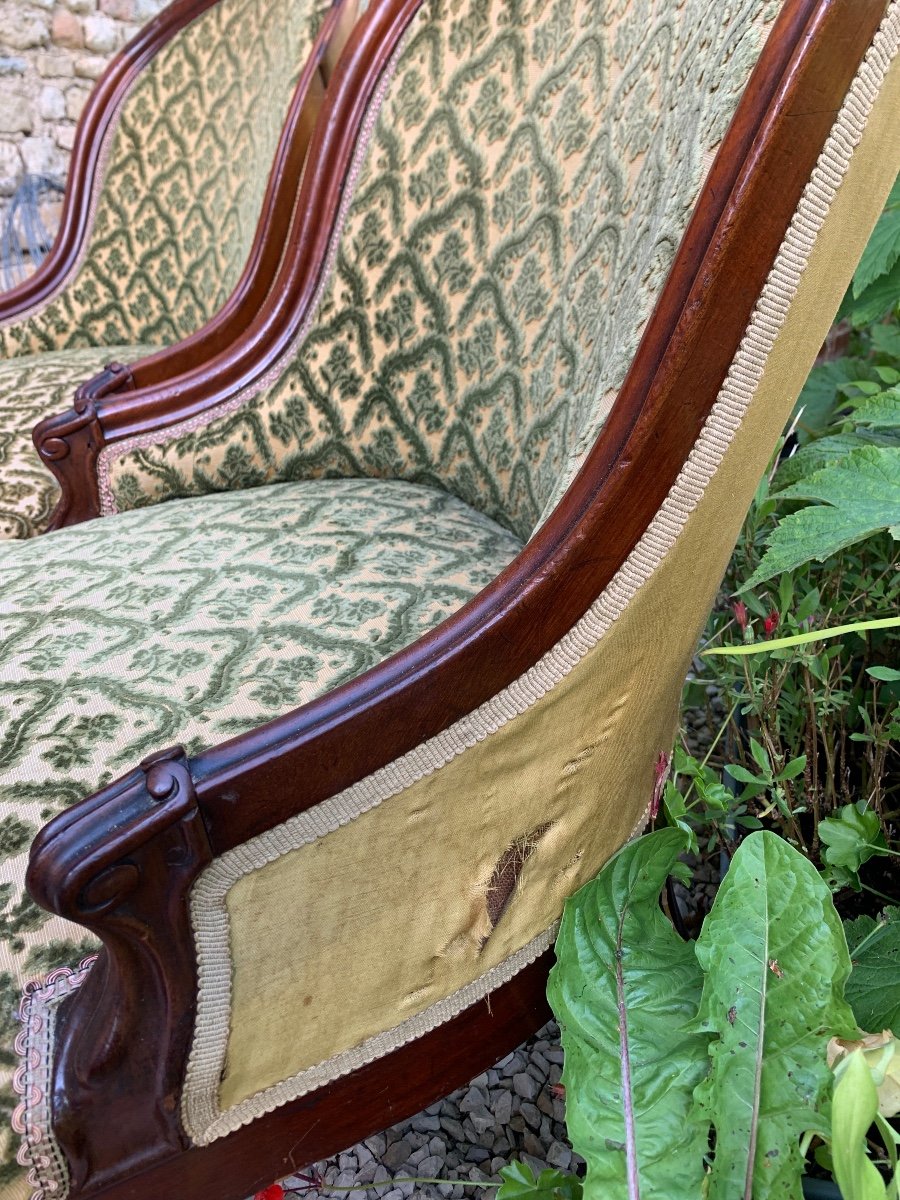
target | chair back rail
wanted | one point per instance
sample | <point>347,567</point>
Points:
<point>181,156</point>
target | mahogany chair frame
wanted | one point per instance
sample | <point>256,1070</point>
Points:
<point>86,174</point>
<point>122,862</point>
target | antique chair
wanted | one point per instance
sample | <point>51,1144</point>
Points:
<point>183,180</point>
<point>551,290</point>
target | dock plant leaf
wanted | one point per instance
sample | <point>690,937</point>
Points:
<point>625,992</point>
<point>775,962</point>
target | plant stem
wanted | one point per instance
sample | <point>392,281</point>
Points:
<point>631,1169</point>
<point>802,639</point>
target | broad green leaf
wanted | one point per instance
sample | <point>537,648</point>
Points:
<point>880,296</point>
<point>882,1054</point>
<point>625,990</point>
<point>775,960</point>
<point>881,252</point>
<point>883,674</point>
<point>519,1183</point>
<point>825,452</point>
<point>858,496</point>
<point>852,837</point>
<point>873,988</point>
<point>886,339</point>
<point>853,1110</point>
<point>881,411</point>
<point>817,400</point>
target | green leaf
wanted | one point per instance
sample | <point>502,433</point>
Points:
<point>853,1110</point>
<point>803,639</point>
<point>760,756</point>
<point>817,400</point>
<point>859,496</point>
<point>875,301</point>
<point>519,1183</point>
<point>825,452</point>
<point>886,339</point>
<point>883,674</point>
<point>775,961</point>
<point>852,837</point>
<point>741,774</point>
<point>625,990</point>
<point>881,411</point>
<point>794,768</point>
<point>873,989</point>
<point>881,252</point>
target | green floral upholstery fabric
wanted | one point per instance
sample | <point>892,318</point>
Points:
<point>31,388</point>
<point>192,623</point>
<point>533,168</point>
<point>184,181</point>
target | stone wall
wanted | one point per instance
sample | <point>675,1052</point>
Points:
<point>50,55</point>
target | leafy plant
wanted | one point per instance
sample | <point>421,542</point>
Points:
<point>874,986</point>
<point>854,1109</point>
<point>665,1040</point>
<point>519,1183</point>
<point>775,964</point>
<point>625,991</point>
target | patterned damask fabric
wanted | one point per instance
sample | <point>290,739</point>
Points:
<point>190,624</point>
<point>184,181</point>
<point>33,387</point>
<point>532,171</point>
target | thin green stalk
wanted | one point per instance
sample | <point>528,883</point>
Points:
<point>801,639</point>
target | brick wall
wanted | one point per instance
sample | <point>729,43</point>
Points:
<point>50,55</point>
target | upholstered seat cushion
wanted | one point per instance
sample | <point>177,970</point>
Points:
<point>194,621</point>
<point>33,387</point>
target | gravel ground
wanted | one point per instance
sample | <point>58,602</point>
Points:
<point>509,1112</point>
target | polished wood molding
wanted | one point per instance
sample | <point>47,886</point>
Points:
<point>122,864</point>
<point>95,122</point>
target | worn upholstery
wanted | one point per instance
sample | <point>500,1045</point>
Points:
<point>31,387</point>
<point>191,624</point>
<point>185,175</point>
<point>530,176</point>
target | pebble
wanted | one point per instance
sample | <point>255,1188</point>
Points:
<point>559,1155</point>
<point>526,1086</point>
<point>532,1115</point>
<point>502,1107</point>
<point>397,1154</point>
<point>482,1119</point>
<point>503,1115</point>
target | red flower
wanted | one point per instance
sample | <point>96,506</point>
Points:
<point>771,622</point>
<point>740,614</point>
<point>275,1192</point>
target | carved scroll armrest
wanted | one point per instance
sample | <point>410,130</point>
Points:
<point>122,864</point>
